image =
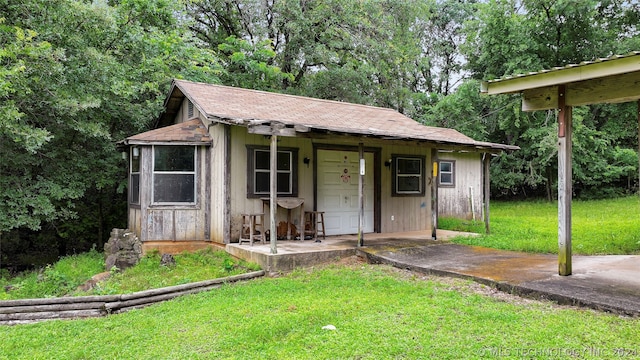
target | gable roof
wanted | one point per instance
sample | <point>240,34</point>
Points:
<point>248,108</point>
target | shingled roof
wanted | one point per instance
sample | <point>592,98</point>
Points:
<point>244,107</point>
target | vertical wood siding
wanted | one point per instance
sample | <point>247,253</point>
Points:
<point>410,213</point>
<point>456,201</point>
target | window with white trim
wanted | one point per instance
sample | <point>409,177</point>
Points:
<point>174,174</point>
<point>446,173</point>
<point>258,170</point>
<point>408,175</point>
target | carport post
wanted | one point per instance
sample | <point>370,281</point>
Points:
<point>564,184</point>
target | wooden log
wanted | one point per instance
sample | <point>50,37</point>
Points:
<point>52,307</point>
<point>58,300</point>
<point>149,300</point>
<point>70,314</point>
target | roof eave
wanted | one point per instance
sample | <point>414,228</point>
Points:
<point>562,75</point>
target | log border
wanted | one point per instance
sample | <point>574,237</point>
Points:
<point>24,311</point>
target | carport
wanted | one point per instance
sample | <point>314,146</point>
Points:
<point>614,79</point>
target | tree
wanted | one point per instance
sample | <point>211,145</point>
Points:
<point>76,78</point>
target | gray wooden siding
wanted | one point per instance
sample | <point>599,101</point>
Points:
<point>456,201</point>
<point>404,213</point>
<point>216,179</point>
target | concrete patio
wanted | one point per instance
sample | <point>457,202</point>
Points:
<point>295,253</point>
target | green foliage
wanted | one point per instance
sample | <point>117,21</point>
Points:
<point>400,314</point>
<point>64,276</point>
<point>190,267</point>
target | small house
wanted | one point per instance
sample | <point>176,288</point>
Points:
<point>367,169</point>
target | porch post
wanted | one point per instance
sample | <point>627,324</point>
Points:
<point>487,190</point>
<point>639,147</point>
<point>361,195</point>
<point>273,193</point>
<point>564,184</point>
<point>434,193</point>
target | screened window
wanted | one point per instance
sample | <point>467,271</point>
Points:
<point>174,174</point>
<point>259,183</point>
<point>446,173</point>
<point>134,181</point>
<point>408,175</point>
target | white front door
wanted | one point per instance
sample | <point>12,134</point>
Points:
<point>338,175</point>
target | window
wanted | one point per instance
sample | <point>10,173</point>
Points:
<point>174,174</point>
<point>134,181</point>
<point>446,173</point>
<point>408,175</point>
<point>258,164</point>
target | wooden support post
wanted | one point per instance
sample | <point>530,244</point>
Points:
<point>434,193</point>
<point>486,194</point>
<point>638,147</point>
<point>564,184</point>
<point>361,195</point>
<point>273,193</point>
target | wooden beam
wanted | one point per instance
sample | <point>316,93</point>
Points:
<point>273,194</point>
<point>486,194</point>
<point>564,186</point>
<point>278,129</point>
<point>361,195</point>
<point>612,89</point>
<point>434,193</point>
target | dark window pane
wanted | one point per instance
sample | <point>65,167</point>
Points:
<point>284,183</point>
<point>409,166</point>
<point>135,189</point>
<point>262,182</point>
<point>135,163</point>
<point>174,158</point>
<point>172,188</point>
<point>445,166</point>
<point>262,160</point>
<point>446,178</point>
<point>284,161</point>
<point>409,184</point>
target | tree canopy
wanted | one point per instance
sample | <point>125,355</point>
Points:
<point>76,76</point>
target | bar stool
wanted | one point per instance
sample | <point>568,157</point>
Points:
<point>312,220</point>
<point>252,228</point>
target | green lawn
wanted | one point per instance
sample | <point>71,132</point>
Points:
<point>379,313</point>
<point>599,227</point>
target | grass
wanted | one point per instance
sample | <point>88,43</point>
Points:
<point>63,277</point>
<point>53,280</point>
<point>379,312</point>
<point>599,227</point>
